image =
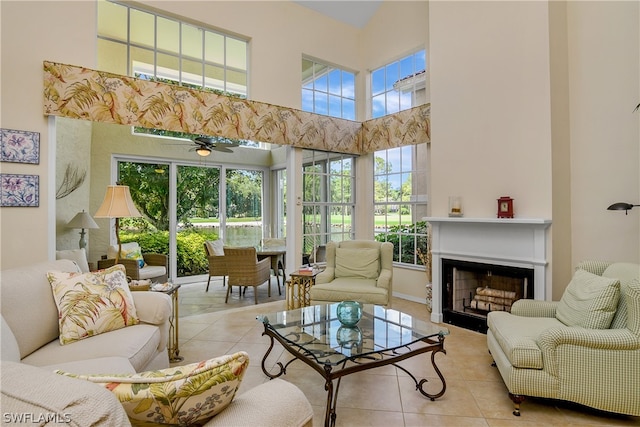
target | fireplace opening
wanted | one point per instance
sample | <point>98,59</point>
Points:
<point>470,290</point>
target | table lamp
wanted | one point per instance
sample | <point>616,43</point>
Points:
<point>82,220</point>
<point>117,204</point>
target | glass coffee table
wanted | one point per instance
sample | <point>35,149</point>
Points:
<point>315,336</point>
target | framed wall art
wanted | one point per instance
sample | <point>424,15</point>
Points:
<point>19,190</point>
<point>20,146</point>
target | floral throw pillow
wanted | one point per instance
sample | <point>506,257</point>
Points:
<point>92,303</point>
<point>182,395</point>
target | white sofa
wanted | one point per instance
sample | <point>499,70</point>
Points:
<point>31,317</point>
<point>30,353</point>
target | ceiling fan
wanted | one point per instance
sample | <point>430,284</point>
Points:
<point>206,144</point>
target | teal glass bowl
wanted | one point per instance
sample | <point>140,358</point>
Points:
<point>349,312</point>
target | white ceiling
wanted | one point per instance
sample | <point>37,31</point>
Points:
<point>353,12</point>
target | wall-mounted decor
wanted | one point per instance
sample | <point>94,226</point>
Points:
<point>20,146</point>
<point>20,190</point>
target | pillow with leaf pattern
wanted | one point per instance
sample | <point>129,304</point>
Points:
<point>92,303</point>
<point>181,395</point>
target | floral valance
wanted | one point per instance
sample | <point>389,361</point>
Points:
<point>81,93</point>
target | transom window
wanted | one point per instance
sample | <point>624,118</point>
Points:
<point>328,90</point>
<point>137,42</point>
<point>399,85</point>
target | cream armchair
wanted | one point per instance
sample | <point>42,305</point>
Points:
<point>584,348</point>
<point>358,270</point>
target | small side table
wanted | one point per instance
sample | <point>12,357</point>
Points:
<point>298,287</point>
<point>173,346</point>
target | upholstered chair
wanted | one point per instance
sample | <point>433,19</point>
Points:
<point>358,270</point>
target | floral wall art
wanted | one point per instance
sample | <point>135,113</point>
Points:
<point>82,93</point>
<point>20,146</point>
<point>19,190</point>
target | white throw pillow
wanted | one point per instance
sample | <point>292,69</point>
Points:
<point>216,247</point>
<point>79,256</point>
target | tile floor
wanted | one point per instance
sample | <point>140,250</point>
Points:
<point>475,395</point>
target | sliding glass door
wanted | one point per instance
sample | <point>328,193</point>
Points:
<point>182,208</point>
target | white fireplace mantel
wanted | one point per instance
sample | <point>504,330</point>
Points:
<point>514,242</point>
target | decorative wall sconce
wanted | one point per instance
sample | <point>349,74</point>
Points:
<point>621,206</point>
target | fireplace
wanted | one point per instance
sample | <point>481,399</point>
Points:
<point>506,248</point>
<point>470,290</point>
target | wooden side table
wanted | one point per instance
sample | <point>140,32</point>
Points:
<point>297,291</point>
<point>173,346</point>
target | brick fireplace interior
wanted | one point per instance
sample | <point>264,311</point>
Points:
<point>470,290</point>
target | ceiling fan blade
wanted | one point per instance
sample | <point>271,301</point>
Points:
<point>221,148</point>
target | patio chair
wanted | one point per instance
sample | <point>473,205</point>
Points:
<point>244,270</point>
<point>277,261</point>
<point>139,266</point>
<point>217,265</point>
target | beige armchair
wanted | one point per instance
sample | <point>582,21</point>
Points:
<point>358,270</point>
<point>584,348</point>
<point>154,266</point>
<point>244,270</point>
<point>215,256</point>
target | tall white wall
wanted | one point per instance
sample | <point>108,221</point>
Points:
<point>604,87</point>
<point>32,32</point>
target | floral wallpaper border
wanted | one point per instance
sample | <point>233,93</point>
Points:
<point>81,93</point>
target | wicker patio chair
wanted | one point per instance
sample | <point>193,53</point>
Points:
<point>217,263</point>
<point>244,269</point>
<point>277,261</point>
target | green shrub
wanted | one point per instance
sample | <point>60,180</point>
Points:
<point>404,236</point>
<point>192,259</point>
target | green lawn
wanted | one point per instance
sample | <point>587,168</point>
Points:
<point>379,220</point>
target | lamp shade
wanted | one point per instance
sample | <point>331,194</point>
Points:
<point>117,203</point>
<point>620,206</point>
<point>82,220</point>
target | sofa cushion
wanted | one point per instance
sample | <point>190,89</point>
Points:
<point>181,395</point>
<point>79,256</point>
<point>517,336</point>
<point>139,344</point>
<point>352,289</point>
<point>361,263</point>
<point>151,271</point>
<point>27,290</point>
<point>28,391</point>
<point>626,272</point>
<point>92,303</point>
<point>9,349</point>
<point>632,296</point>
<point>590,301</point>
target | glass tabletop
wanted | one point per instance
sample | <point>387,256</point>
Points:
<point>316,332</point>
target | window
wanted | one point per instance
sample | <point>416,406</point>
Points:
<point>328,198</point>
<point>399,85</point>
<point>149,46</point>
<point>400,201</point>
<point>140,43</point>
<point>328,90</point>
<point>400,174</point>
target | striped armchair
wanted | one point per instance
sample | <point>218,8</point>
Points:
<point>584,348</point>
